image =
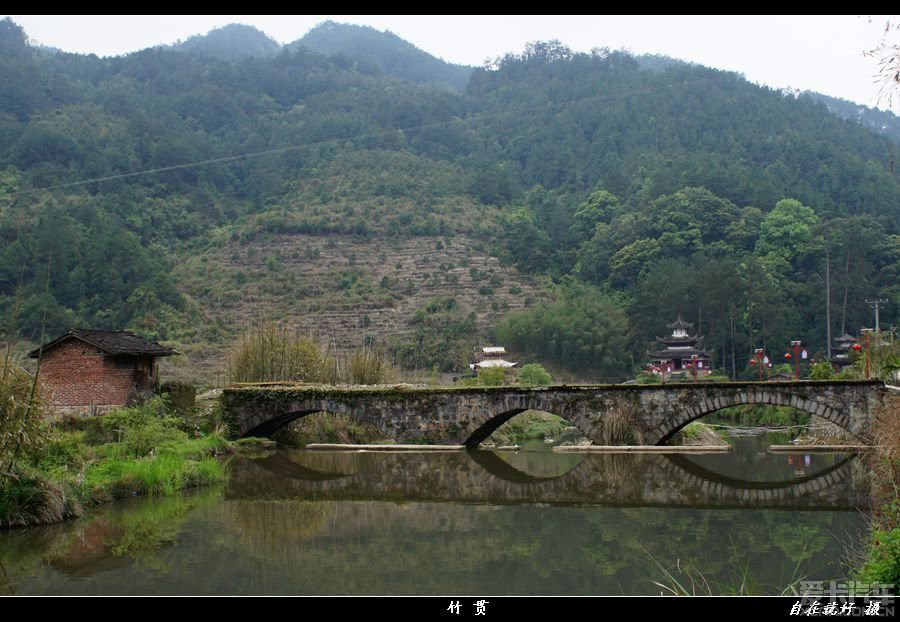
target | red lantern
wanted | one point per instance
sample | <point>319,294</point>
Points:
<point>787,355</point>
<point>753,361</point>
<point>857,347</point>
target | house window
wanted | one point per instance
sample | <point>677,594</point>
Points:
<point>124,362</point>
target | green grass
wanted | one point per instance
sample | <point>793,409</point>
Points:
<point>35,499</point>
<point>756,415</point>
<point>685,579</point>
<point>692,430</point>
<point>133,451</point>
<point>164,474</point>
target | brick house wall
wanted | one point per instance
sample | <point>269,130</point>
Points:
<point>77,374</point>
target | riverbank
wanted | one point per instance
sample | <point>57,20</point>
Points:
<point>85,462</point>
<point>880,561</point>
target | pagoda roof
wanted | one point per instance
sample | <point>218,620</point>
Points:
<point>493,351</point>
<point>680,354</point>
<point>492,363</point>
<point>679,323</point>
<point>845,338</point>
<point>680,340</point>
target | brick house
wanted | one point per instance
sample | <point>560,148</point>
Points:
<point>94,370</point>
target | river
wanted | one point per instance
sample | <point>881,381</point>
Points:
<point>533,522</point>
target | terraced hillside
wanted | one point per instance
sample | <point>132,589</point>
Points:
<point>341,288</point>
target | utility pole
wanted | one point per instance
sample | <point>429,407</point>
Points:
<point>876,304</point>
<point>828,297</point>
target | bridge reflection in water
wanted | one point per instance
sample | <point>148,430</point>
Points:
<point>620,480</point>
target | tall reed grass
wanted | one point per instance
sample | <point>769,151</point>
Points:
<point>268,352</point>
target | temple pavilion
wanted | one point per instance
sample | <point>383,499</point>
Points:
<point>840,357</point>
<point>681,353</point>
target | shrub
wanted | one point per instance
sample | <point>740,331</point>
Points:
<point>143,429</point>
<point>883,562</point>
<point>32,499</point>
<point>534,374</point>
<point>369,365</point>
<point>182,396</point>
<point>491,376</point>
<point>270,353</point>
<point>821,371</point>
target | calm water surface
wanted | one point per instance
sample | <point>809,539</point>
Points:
<point>488,523</point>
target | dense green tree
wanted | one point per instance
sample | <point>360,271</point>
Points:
<point>600,207</point>
<point>534,374</point>
<point>585,329</point>
<point>787,230</point>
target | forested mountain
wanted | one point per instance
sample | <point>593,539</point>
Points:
<point>310,187</point>
<point>385,50</point>
<point>880,121</point>
<point>230,43</point>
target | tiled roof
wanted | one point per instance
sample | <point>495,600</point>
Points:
<point>116,342</point>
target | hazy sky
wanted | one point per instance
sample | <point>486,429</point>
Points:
<point>820,53</point>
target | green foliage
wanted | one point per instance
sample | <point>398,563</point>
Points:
<point>821,371</point>
<point>160,475</point>
<point>584,329</point>
<point>231,42</point>
<point>64,450</point>
<point>600,207</point>
<point>647,378</point>
<point>750,415</point>
<point>181,396</point>
<point>328,428</point>
<point>531,424</point>
<point>143,429</point>
<point>139,450</point>
<point>787,229</point>
<point>883,561</point>
<point>491,376</point>
<point>692,430</point>
<point>34,499</point>
<point>534,374</point>
<point>526,241</point>
<point>443,337</point>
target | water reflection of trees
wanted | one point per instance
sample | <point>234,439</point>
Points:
<point>273,529</point>
<point>525,549</point>
<point>108,539</point>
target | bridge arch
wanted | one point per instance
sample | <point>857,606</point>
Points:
<point>815,481</point>
<point>503,470</point>
<point>482,426</point>
<point>273,423</point>
<point>760,397</point>
<point>270,426</point>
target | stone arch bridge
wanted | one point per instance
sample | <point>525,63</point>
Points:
<point>606,414</point>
